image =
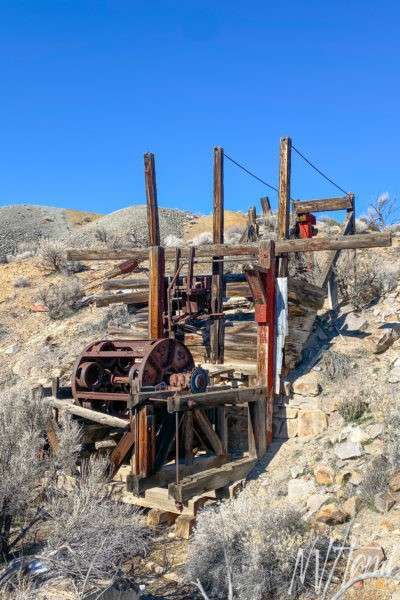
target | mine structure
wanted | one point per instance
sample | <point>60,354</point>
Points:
<point>182,416</point>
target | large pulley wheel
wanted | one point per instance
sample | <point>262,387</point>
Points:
<point>162,358</point>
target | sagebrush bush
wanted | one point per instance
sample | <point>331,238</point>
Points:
<point>24,466</point>
<point>89,535</point>
<point>359,281</point>
<point>375,481</point>
<point>352,409</point>
<point>335,365</point>
<point>392,436</point>
<point>52,255</point>
<point>61,298</point>
<point>52,258</point>
<point>253,548</point>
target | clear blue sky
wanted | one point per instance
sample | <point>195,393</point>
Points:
<point>88,86</point>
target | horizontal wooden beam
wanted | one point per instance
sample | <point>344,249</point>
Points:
<point>216,398</point>
<point>316,244</point>
<point>324,205</point>
<point>127,298</point>
<point>86,413</point>
<point>211,479</point>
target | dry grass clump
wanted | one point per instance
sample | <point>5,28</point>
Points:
<point>22,282</point>
<point>352,409</point>
<point>335,365</point>
<point>250,549</point>
<point>61,299</point>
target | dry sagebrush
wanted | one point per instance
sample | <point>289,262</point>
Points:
<point>24,466</point>
<point>89,535</point>
<point>61,299</point>
<point>245,550</point>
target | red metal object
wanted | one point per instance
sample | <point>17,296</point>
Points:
<point>305,225</point>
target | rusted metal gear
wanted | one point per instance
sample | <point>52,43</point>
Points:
<point>108,371</point>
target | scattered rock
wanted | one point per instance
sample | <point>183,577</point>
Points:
<point>355,322</point>
<point>366,558</point>
<point>324,475</point>
<point>331,514</point>
<point>296,471</point>
<point>351,506</point>
<point>300,489</point>
<point>381,340</point>
<point>394,375</point>
<point>315,501</point>
<point>374,430</point>
<point>348,449</point>
<point>12,349</point>
<point>306,386</point>
<point>383,502</point>
<point>311,422</point>
<point>394,483</point>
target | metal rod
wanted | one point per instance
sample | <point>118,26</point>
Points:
<point>177,447</point>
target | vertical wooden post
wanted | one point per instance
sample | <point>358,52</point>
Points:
<point>266,332</point>
<point>151,196</point>
<point>266,207</point>
<point>156,292</point>
<point>284,187</point>
<point>217,328</point>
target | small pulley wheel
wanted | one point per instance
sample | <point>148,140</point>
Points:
<point>198,380</point>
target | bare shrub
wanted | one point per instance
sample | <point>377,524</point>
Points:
<point>52,255</point>
<point>360,282</point>
<point>248,547</point>
<point>392,436</point>
<point>202,239</point>
<point>24,467</point>
<point>362,225</point>
<point>172,241</point>
<point>375,481</point>
<point>352,409</point>
<point>101,234</point>
<point>22,282</point>
<point>90,536</point>
<point>233,235</point>
<point>61,299</point>
<point>382,213</point>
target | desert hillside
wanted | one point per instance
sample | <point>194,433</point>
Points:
<point>335,458</point>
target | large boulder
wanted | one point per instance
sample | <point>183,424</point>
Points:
<point>311,422</point>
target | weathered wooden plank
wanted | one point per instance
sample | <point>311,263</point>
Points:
<point>151,196</point>
<point>156,293</point>
<point>284,187</point>
<point>208,432</point>
<point>323,205</point>
<point>125,298</point>
<point>316,244</point>
<point>266,207</point>
<point>86,413</point>
<point>215,398</point>
<point>124,446</point>
<point>210,479</point>
<point>217,284</point>
<point>347,228</point>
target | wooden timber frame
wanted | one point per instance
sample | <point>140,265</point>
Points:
<point>202,418</point>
